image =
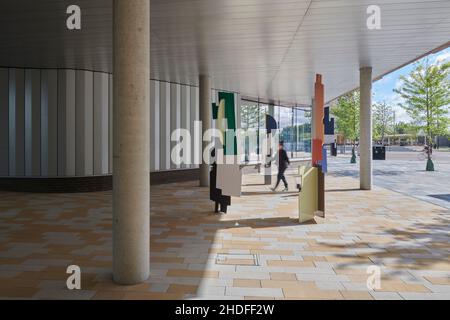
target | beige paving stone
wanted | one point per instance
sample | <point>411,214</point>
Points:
<point>302,293</point>
<point>400,286</point>
<point>283,276</point>
<point>439,281</point>
<point>242,262</point>
<point>193,273</point>
<point>287,284</point>
<point>356,295</point>
<point>247,283</point>
<point>48,232</point>
<point>350,271</point>
<point>254,292</point>
<point>314,258</point>
<point>289,263</point>
<point>166,260</point>
<point>152,296</point>
<point>182,289</point>
<point>109,295</point>
<point>17,292</point>
<point>272,251</point>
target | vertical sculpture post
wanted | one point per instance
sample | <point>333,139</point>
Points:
<point>318,139</point>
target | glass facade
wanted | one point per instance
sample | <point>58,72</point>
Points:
<point>294,128</point>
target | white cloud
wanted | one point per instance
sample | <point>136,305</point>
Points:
<point>399,83</point>
<point>401,115</point>
<point>386,79</point>
<point>443,57</point>
<point>394,100</point>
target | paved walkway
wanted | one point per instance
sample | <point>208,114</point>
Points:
<point>404,172</point>
<point>257,251</point>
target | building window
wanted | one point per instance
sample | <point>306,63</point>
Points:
<point>294,127</point>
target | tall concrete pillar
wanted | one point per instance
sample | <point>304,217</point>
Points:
<point>365,141</point>
<point>131,195</point>
<point>206,119</point>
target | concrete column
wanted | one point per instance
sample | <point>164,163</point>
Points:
<point>131,195</point>
<point>365,141</point>
<point>206,119</point>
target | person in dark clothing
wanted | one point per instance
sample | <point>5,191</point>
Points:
<point>283,162</point>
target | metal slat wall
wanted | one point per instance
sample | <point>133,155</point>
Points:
<point>16,122</point>
<point>101,124</point>
<point>155,127</point>
<point>32,123</point>
<point>59,122</point>
<point>49,123</point>
<point>164,137</point>
<point>4,122</point>
<point>110,120</point>
<point>66,122</point>
<point>84,134</point>
<point>195,116</point>
<point>55,123</point>
<point>175,117</point>
<point>173,106</point>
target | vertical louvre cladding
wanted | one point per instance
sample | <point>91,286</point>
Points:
<point>32,123</point>
<point>54,123</point>
<point>49,122</point>
<point>59,122</point>
<point>101,124</point>
<point>4,122</point>
<point>16,122</point>
<point>84,115</point>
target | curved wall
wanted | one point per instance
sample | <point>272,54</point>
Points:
<point>57,123</point>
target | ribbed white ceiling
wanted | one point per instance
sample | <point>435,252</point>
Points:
<point>266,48</point>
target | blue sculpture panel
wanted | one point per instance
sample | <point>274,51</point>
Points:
<point>328,123</point>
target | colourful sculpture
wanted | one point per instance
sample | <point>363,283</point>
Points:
<point>312,193</point>
<point>226,175</point>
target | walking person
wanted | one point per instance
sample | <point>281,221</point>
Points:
<point>283,162</point>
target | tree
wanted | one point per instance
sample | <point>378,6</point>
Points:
<point>406,128</point>
<point>252,116</point>
<point>383,115</point>
<point>426,95</point>
<point>249,116</point>
<point>346,114</point>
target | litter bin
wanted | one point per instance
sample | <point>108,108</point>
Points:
<point>334,149</point>
<point>379,153</point>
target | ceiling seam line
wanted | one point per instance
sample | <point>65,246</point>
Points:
<point>290,44</point>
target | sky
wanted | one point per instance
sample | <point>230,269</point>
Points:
<point>383,88</point>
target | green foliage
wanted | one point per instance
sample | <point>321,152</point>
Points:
<point>426,95</point>
<point>250,114</point>
<point>406,128</point>
<point>346,114</point>
<point>383,117</point>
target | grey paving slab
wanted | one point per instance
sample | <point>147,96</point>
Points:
<point>403,172</point>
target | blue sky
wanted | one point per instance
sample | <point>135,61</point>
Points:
<point>383,88</point>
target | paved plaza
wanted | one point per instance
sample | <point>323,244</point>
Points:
<point>257,251</point>
<point>404,172</point>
